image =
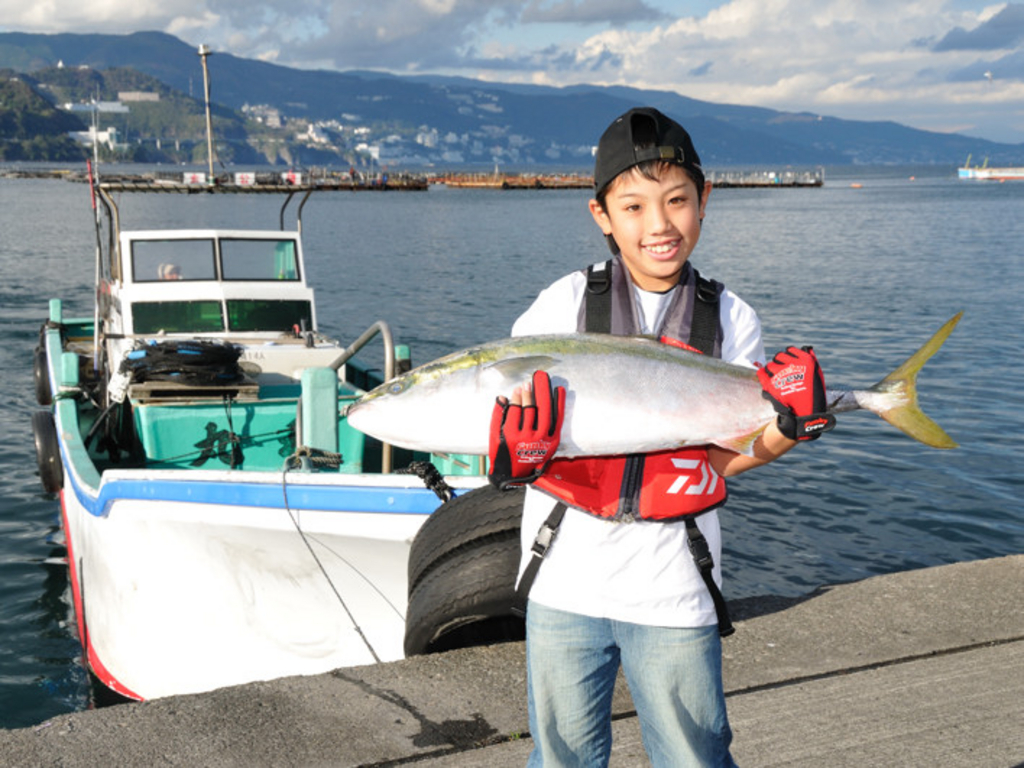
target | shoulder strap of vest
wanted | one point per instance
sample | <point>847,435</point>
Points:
<point>705,562</point>
<point>599,298</point>
<point>698,546</point>
<point>541,543</point>
<point>704,328</point>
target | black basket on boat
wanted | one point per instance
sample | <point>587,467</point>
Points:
<point>190,362</point>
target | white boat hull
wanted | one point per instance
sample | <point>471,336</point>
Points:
<point>992,174</point>
<point>181,593</point>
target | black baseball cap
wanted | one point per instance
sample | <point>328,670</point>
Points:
<point>640,135</point>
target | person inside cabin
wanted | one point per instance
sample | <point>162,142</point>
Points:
<point>169,272</point>
<point>631,576</point>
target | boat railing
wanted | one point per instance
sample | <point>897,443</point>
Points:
<point>384,330</point>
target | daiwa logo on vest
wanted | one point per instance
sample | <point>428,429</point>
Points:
<point>699,477</point>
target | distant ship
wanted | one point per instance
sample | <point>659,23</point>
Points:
<point>984,172</point>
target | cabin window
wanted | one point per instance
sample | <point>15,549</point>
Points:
<point>266,315</point>
<point>154,260</point>
<point>259,259</point>
<point>152,317</point>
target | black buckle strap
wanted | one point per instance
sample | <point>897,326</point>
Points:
<point>698,546</point>
<point>599,280</point>
<point>539,548</point>
<point>545,536</point>
<point>704,325</point>
<point>702,558</point>
<point>700,550</point>
<point>599,298</point>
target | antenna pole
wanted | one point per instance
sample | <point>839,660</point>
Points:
<point>204,52</point>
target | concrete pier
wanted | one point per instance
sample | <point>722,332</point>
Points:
<point>917,669</point>
<point>514,181</point>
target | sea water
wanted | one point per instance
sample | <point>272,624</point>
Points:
<point>865,269</point>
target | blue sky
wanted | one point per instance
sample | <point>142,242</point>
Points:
<point>941,65</point>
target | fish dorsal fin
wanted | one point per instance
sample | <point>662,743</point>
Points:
<point>518,370</point>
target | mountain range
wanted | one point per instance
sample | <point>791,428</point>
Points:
<point>476,121</point>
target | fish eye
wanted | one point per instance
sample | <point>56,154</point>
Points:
<point>396,388</point>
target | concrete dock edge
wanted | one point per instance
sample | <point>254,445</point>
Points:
<point>914,669</point>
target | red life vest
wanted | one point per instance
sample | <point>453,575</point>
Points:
<point>662,486</point>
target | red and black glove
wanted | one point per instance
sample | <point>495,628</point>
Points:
<point>793,381</point>
<point>524,437</point>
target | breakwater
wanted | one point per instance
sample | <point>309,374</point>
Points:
<point>769,179</point>
<point>358,181</point>
<point>514,181</point>
<point>241,181</point>
<point>720,179</point>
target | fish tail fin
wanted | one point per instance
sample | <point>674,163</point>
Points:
<point>908,416</point>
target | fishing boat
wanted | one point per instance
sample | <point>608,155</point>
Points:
<point>223,521</point>
<point>985,172</point>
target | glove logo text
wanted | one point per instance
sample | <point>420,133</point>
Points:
<point>532,453</point>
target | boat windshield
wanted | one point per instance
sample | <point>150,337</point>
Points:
<point>153,317</point>
<point>241,259</point>
<point>269,315</point>
<point>154,260</point>
<point>259,259</point>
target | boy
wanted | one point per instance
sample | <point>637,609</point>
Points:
<point>633,578</point>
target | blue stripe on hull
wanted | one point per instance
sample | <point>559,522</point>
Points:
<point>332,498</point>
<point>328,498</point>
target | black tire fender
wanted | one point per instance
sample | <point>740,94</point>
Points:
<point>467,519</point>
<point>462,572</point>
<point>42,378</point>
<point>51,468</point>
<point>466,600</point>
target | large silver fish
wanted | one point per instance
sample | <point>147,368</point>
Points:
<point>624,395</point>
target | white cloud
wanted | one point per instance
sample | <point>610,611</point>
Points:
<point>96,15</point>
<point>859,58</point>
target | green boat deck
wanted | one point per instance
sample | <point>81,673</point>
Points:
<point>245,426</point>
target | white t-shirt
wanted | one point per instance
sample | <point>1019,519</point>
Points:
<point>641,572</point>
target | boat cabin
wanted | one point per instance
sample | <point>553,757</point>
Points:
<point>198,327</point>
<point>245,287</point>
<point>216,282</point>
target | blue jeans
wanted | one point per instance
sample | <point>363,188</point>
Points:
<point>674,676</point>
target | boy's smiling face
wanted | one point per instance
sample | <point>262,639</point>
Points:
<point>655,223</point>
